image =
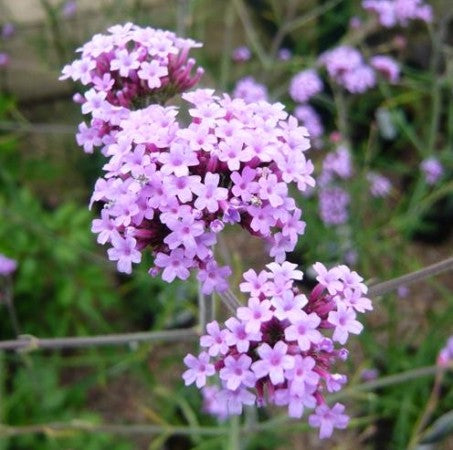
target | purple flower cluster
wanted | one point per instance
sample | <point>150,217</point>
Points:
<point>399,12</point>
<point>432,170</point>
<point>7,265</point>
<point>333,199</point>
<point>172,188</point>
<point>277,349</point>
<point>241,54</point>
<point>387,67</point>
<point>305,85</point>
<point>129,67</point>
<point>310,119</point>
<point>250,90</point>
<point>380,186</point>
<point>347,67</point>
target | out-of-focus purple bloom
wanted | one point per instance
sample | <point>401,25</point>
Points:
<point>346,66</point>
<point>284,54</point>
<point>355,22</point>
<point>369,374</point>
<point>311,121</point>
<point>432,170</point>
<point>250,90</point>
<point>398,12</point>
<point>7,265</point>
<point>402,291</point>
<point>380,186</point>
<point>305,85</point>
<point>69,9</point>
<point>241,54</point>
<point>333,205</point>
<point>387,67</point>
<point>4,59</point>
<point>8,30</point>
<point>445,357</point>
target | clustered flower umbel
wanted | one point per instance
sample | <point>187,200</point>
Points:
<point>333,198</point>
<point>172,188</point>
<point>391,13</point>
<point>282,347</point>
<point>124,70</point>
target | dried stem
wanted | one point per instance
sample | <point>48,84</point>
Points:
<point>30,343</point>
<point>391,285</point>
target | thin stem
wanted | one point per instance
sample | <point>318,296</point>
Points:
<point>30,343</point>
<point>9,302</point>
<point>133,429</point>
<point>205,308</point>
<point>227,47</point>
<point>427,412</point>
<point>227,302</point>
<point>389,380</point>
<point>250,32</point>
<point>299,22</point>
<point>391,285</point>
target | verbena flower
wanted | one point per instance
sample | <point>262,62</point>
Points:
<point>282,348</point>
<point>345,65</point>
<point>241,54</point>
<point>7,265</point>
<point>304,85</point>
<point>126,69</point>
<point>387,67</point>
<point>250,90</point>
<point>398,12</point>
<point>380,186</point>
<point>432,170</point>
<point>171,189</point>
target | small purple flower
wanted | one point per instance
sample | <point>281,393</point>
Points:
<point>175,265</point>
<point>344,320</point>
<point>235,400</point>
<point>238,335</point>
<point>209,193</point>
<point>327,419</point>
<point>213,277</point>
<point>330,279</point>
<point>254,283</point>
<point>125,252</point>
<point>255,314</point>
<point>236,372</point>
<point>303,329</point>
<point>215,340</point>
<point>274,361</point>
<point>199,369</point>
